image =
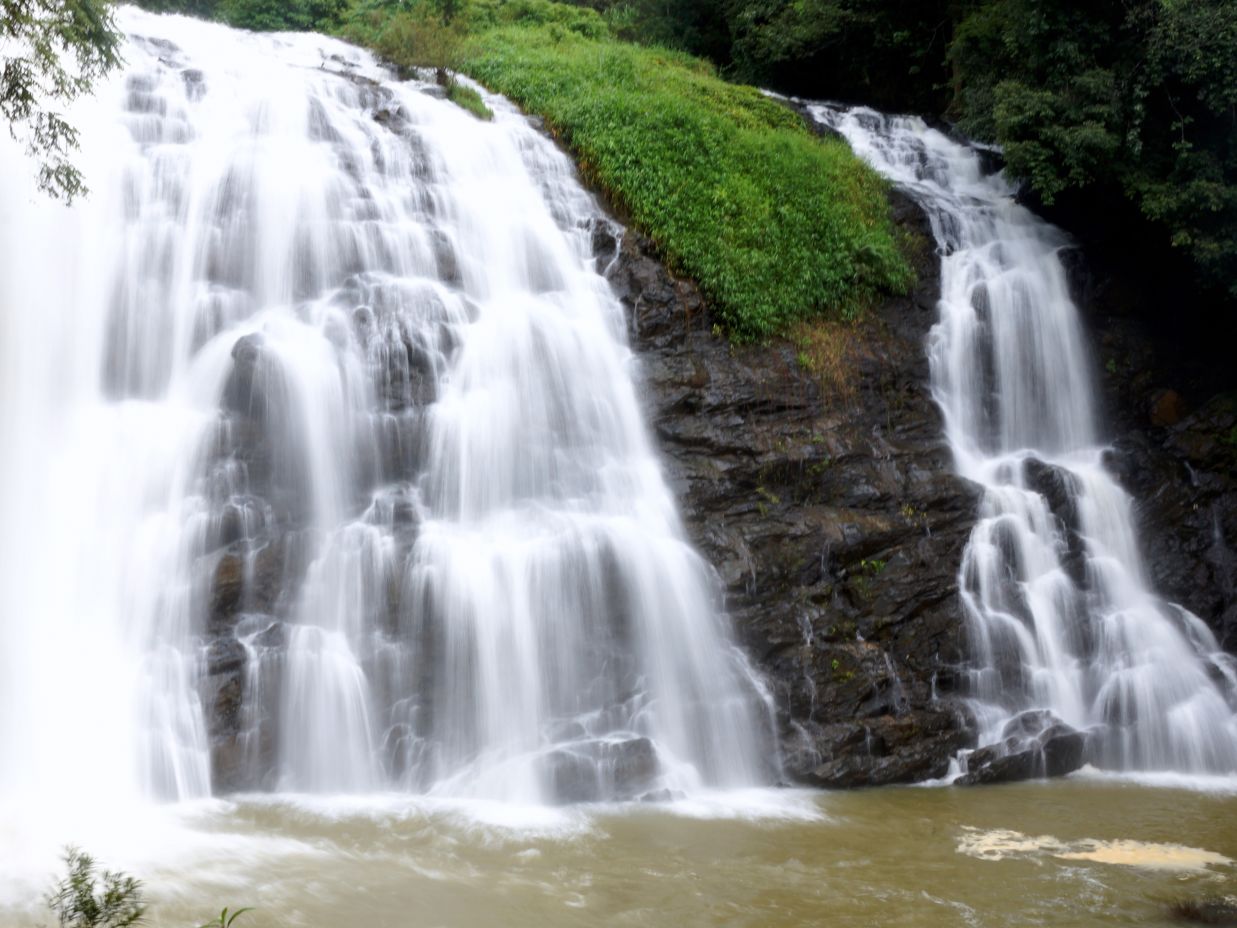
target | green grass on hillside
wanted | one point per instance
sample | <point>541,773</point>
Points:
<point>776,225</point>
<point>470,100</point>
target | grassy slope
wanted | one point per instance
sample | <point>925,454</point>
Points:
<point>775,225</point>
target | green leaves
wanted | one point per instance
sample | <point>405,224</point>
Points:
<point>226,918</point>
<point>1136,98</point>
<point>90,898</point>
<point>51,52</point>
<point>86,898</point>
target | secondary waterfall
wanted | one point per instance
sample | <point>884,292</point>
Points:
<point>1059,611</point>
<point>325,469</point>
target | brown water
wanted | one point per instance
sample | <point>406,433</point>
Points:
<point>1075,853</point>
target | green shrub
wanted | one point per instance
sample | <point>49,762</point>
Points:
<point>416,37</point>
<point>86,898</point>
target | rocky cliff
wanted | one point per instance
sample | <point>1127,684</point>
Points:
<point>824,496</point>
<point>1172,411</point>
<point>826,501</point>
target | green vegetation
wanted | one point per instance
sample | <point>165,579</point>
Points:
<point>427,36</point>
<point>469,99</point>
<point>89,898</point>
<point>1137,98</point>
<point>774,224</point>
<point>86,898</point>
<point>53,52</point>
<point>261,15</point>
<point>226,918</point>
<point>1124,115</point>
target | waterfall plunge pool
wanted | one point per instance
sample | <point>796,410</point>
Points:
<point>1085,851</point>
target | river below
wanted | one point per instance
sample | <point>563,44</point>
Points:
<point>1080,852</point>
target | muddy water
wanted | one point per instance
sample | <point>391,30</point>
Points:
<point>1079,853</point>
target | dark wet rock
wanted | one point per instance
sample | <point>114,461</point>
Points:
<point>1034,744</point>
<point>146,103</point>
<point>243,581</point>
<point>1173,424</point>
<point>224,656</point>
<point>1059,489</point>
<point>167,52</point>
<point>241,393</point>
<point>829,508</point>
<point>274,637</point>
<point>1167,408</point>
<point>661,795</point>
<point>591,771</point>
<point>226,591</point>
<point>605,237</point>
<point>889,749</point>
<point>195,83</point>
<point>446,258</point>
<point>223,694</point>
<point>1208,910</point>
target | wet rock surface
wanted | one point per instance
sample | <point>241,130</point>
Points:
<point>1172,410</point>
<point>827,503</point>
<point>1034,744</point>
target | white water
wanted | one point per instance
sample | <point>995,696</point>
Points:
<point>331,340</point>
<point>1058,606</point>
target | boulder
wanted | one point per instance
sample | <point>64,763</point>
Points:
<point>1034,744</point>
<point>1167,408</point>
<point>594,771</point>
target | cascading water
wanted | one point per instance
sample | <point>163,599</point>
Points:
<point>1059,611</point>
<point>326,470</point>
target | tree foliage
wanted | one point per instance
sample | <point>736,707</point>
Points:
<point>261,15</point>
<point>1137,98</point>
<point>1094,102</point>
<point>53,52</point>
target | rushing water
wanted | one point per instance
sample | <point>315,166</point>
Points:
<point>325,470</point>
<point>1052,582</point>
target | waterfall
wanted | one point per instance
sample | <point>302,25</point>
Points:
<point>1058,609</point>
<point>326,469</point>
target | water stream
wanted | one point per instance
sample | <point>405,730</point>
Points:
<point>1060,614</point>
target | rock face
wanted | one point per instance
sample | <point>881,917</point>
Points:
<point>827,503</point>
<point>1172,409</point>
<point>1033,744</point>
